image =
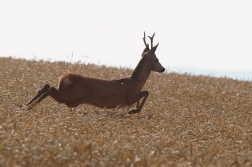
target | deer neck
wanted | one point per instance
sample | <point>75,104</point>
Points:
<point>141,72</point>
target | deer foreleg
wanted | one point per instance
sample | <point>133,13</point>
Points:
<point>40,92</point>
<point>137,103</point>
<point>144,95</point>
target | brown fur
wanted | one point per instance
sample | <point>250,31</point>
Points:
<point>74,89</point>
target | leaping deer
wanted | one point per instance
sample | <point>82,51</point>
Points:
<point>74,89</point>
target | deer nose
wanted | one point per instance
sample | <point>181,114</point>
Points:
<point>163,70</point>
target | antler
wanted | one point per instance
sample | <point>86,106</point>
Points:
<point>151,38</point>
<point>146,44</point>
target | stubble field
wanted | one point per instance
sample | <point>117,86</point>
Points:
<point>186,121</point>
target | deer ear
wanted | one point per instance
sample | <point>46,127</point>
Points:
<point>154,49</point>
<point>146,49</point>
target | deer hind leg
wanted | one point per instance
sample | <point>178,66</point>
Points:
<point>56,95</point>
<point>40,92</point>
<point>142,94</point>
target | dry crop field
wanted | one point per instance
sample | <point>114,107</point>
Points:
<point>186,121</point>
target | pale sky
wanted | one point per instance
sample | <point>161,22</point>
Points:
<point>213,35</point>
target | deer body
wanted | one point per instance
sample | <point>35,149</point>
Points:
<point>97,92</point>
<point>74,89</point>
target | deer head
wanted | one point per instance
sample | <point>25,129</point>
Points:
<point>149,54</point>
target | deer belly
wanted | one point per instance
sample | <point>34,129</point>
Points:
<point>111,101</point>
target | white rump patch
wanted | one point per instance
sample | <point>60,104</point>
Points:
<point>67,81</point>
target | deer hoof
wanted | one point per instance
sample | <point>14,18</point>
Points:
<point>133,111</point>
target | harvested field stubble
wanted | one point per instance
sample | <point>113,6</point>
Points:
<point>186,121</point>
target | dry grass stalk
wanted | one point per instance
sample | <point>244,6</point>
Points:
<point>186,121</point>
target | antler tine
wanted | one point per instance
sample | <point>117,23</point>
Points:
<point>151,38</point>
<point>147,45</point>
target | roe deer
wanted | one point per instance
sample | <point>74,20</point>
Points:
<point>74,90</point>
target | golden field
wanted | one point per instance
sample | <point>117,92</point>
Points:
<point>186,121</point>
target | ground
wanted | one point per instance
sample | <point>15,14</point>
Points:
<point>186,121</point>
